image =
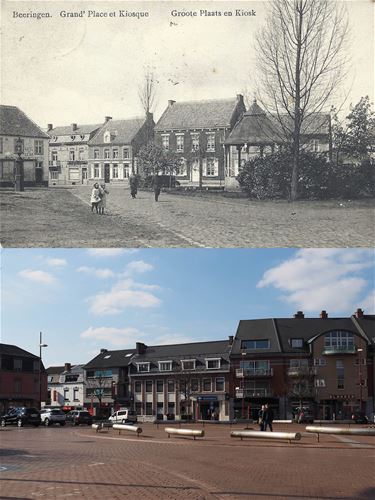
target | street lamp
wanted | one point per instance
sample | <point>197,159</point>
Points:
<point>359,350</point>
<point>243,384</point>
<point>19,173</point>
<point>40,367</point>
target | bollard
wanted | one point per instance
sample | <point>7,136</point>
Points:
<point>124,427</point>
<point>184,432</point>
<point>340,430</point>
<point>289,436</point>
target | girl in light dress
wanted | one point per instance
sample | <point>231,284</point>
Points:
<point>95,197</point>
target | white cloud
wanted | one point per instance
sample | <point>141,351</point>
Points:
<point>99,273</point>
<point>137,266</point>
<point>38,276</point>
<point>122,337</point>
<point>315,279</point>
<point>368,304</point>
<point>110,252</point>
<point>123,295</point>
<point>172,338</point>
<point>57,262</point>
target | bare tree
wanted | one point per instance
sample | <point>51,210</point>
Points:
<point>301,61</point>
<point>147,90</point>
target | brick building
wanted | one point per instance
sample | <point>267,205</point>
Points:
<point>197,130</point>
<point>15,124</point>
<point>22,378</point>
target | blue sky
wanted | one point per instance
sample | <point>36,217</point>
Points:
<point>83,300</point>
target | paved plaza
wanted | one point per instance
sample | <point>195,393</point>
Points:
<point>62,218</point>
<point>66,462</point>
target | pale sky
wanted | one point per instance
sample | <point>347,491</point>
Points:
<point>78,70</point>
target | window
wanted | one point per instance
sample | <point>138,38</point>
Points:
<point>212,364</point>
<point>296,343</point>
<point>159,386</point>
<point>17,386</point>
<point>103,373</point>
<point>96,154</point>
<point>320,383</point>
<point>138,408</point>
<point>38,147</point>
<point>194,142</point>
<point>72,155</point>
<point>17,364</point>
<point>165,142</point>
<point>66,394</point>
<point>180,142</point>
<point>165,366</point>
<point>194,385</point>
<point>340,372</point>
<point>211,141</point>
<point>339,339</point>
<point>76,394</point>
<point>115,153</point>
<point>149,409</point>
<point>320,362</point>
<point>1,144</point>
<point>54,155</point>
<point>159,410</point>
<point>207,385</point>
<point>96,170</point>
<point>298,363</point>
<point>126,153</point>
<point>260,367</point>
<point>107,136</point>
<point>106,154</point>
<point>54,175</point>
<point>81,154</point>
<point>255,344</point>
<point>148,385</point>
<point>138,387</point>
<point>314,145</point>
<point>115,171</point>
<point>143,367</point>
<point>188,364</point>
<point>74,174</point>
<point>181,169</point>
<point>219,384</point>
<point>211,167</point>
<point>170,386</point>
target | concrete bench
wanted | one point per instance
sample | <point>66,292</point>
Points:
<point>340,430</point>
<point>124,427</point>
<point>184,432</point>
<point>289,436</point>
<point>101,426</point>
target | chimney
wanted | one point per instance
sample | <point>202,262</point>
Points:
<point>102,351</point>
<point>230,339</point>
<point>140,347</point>
<point>107,118</point>
<point>359,313</point>
<point>299,315</point>
<point>49,127</point>
<point>170,103</point>
<point>67,367</point>
<point>324,315</point>
<point>74,126</point>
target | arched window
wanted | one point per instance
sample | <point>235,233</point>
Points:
<point>341,339</point>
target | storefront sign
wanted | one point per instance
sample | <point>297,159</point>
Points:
<point>207,398</point>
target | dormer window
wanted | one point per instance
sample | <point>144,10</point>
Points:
<point>165,366</point>
<point>213,363</point>
<point>107,137</point>
<point>255,344</point>
<point>188,364</point>
<point>296,343</point>
<point>143,367</point>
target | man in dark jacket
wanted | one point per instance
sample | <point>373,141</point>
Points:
<point>156,183</point>
<point>268,418</point>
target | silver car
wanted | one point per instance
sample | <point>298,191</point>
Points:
<point>51,416</point>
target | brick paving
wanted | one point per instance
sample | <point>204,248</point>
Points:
<point>61,217</point>
<point>65,462</point>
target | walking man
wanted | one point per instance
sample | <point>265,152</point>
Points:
<point>156,182</point>
<point>267,418</point>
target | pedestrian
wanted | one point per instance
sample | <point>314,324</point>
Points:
<point>95,197</point>
<point>133,181</point>
<point>260,418</point>
<point>268,418</point>
<point>103,198</point>
<point>156,182</point>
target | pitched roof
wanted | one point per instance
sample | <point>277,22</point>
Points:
<point>13,350</point>
<point>197,114</point>
<point>13,121</point>
<point>108,359</point>
<point>122,131</point>
<point>68,130</point>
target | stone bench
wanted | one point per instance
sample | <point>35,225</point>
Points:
<point>340,430</point>
<point>184,432</point>
<point>289,436</point>
<point>124,427</point>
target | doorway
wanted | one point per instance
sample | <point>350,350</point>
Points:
<point>106,173</point>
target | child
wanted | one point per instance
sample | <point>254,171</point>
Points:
<point>103,198</point>
<point>95,198</point>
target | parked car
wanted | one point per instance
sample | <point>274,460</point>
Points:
<point>359,418</point>
<point>124,416</point>
<point>78,417</point>
<point>21,416</point>
<point>51,416</point>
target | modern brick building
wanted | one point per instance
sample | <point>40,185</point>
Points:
<point>23,378</point>
<point>197,130</point>
<point>15,124</point>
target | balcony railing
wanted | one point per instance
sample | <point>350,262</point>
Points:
<point>347,349</point>
<point>256,372</point>
<point>54,163</point>
<point>253,393</point>
<point>301,371</point>
<point>77,162</point>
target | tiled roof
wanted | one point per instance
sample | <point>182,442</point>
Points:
<point>55,370</point>
<point>68,130</point>
<point>197,114</point>
<point>122,131</point>
<point>13,350</point>
<point>108,359</point>
<point>14,122</point>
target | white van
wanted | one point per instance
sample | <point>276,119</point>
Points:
<point>123,416</point>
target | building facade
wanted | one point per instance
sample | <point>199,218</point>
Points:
<point>15,124</point>
<point>69,153</point>
<point>66,386</point>
<point>23,379</point>
<point>196,131</point>
<point>114,147</point>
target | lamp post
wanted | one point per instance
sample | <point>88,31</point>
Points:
<point>243,384</point>
<point>359,351</point>
<point>41,345</point>
<point>19,173</point>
